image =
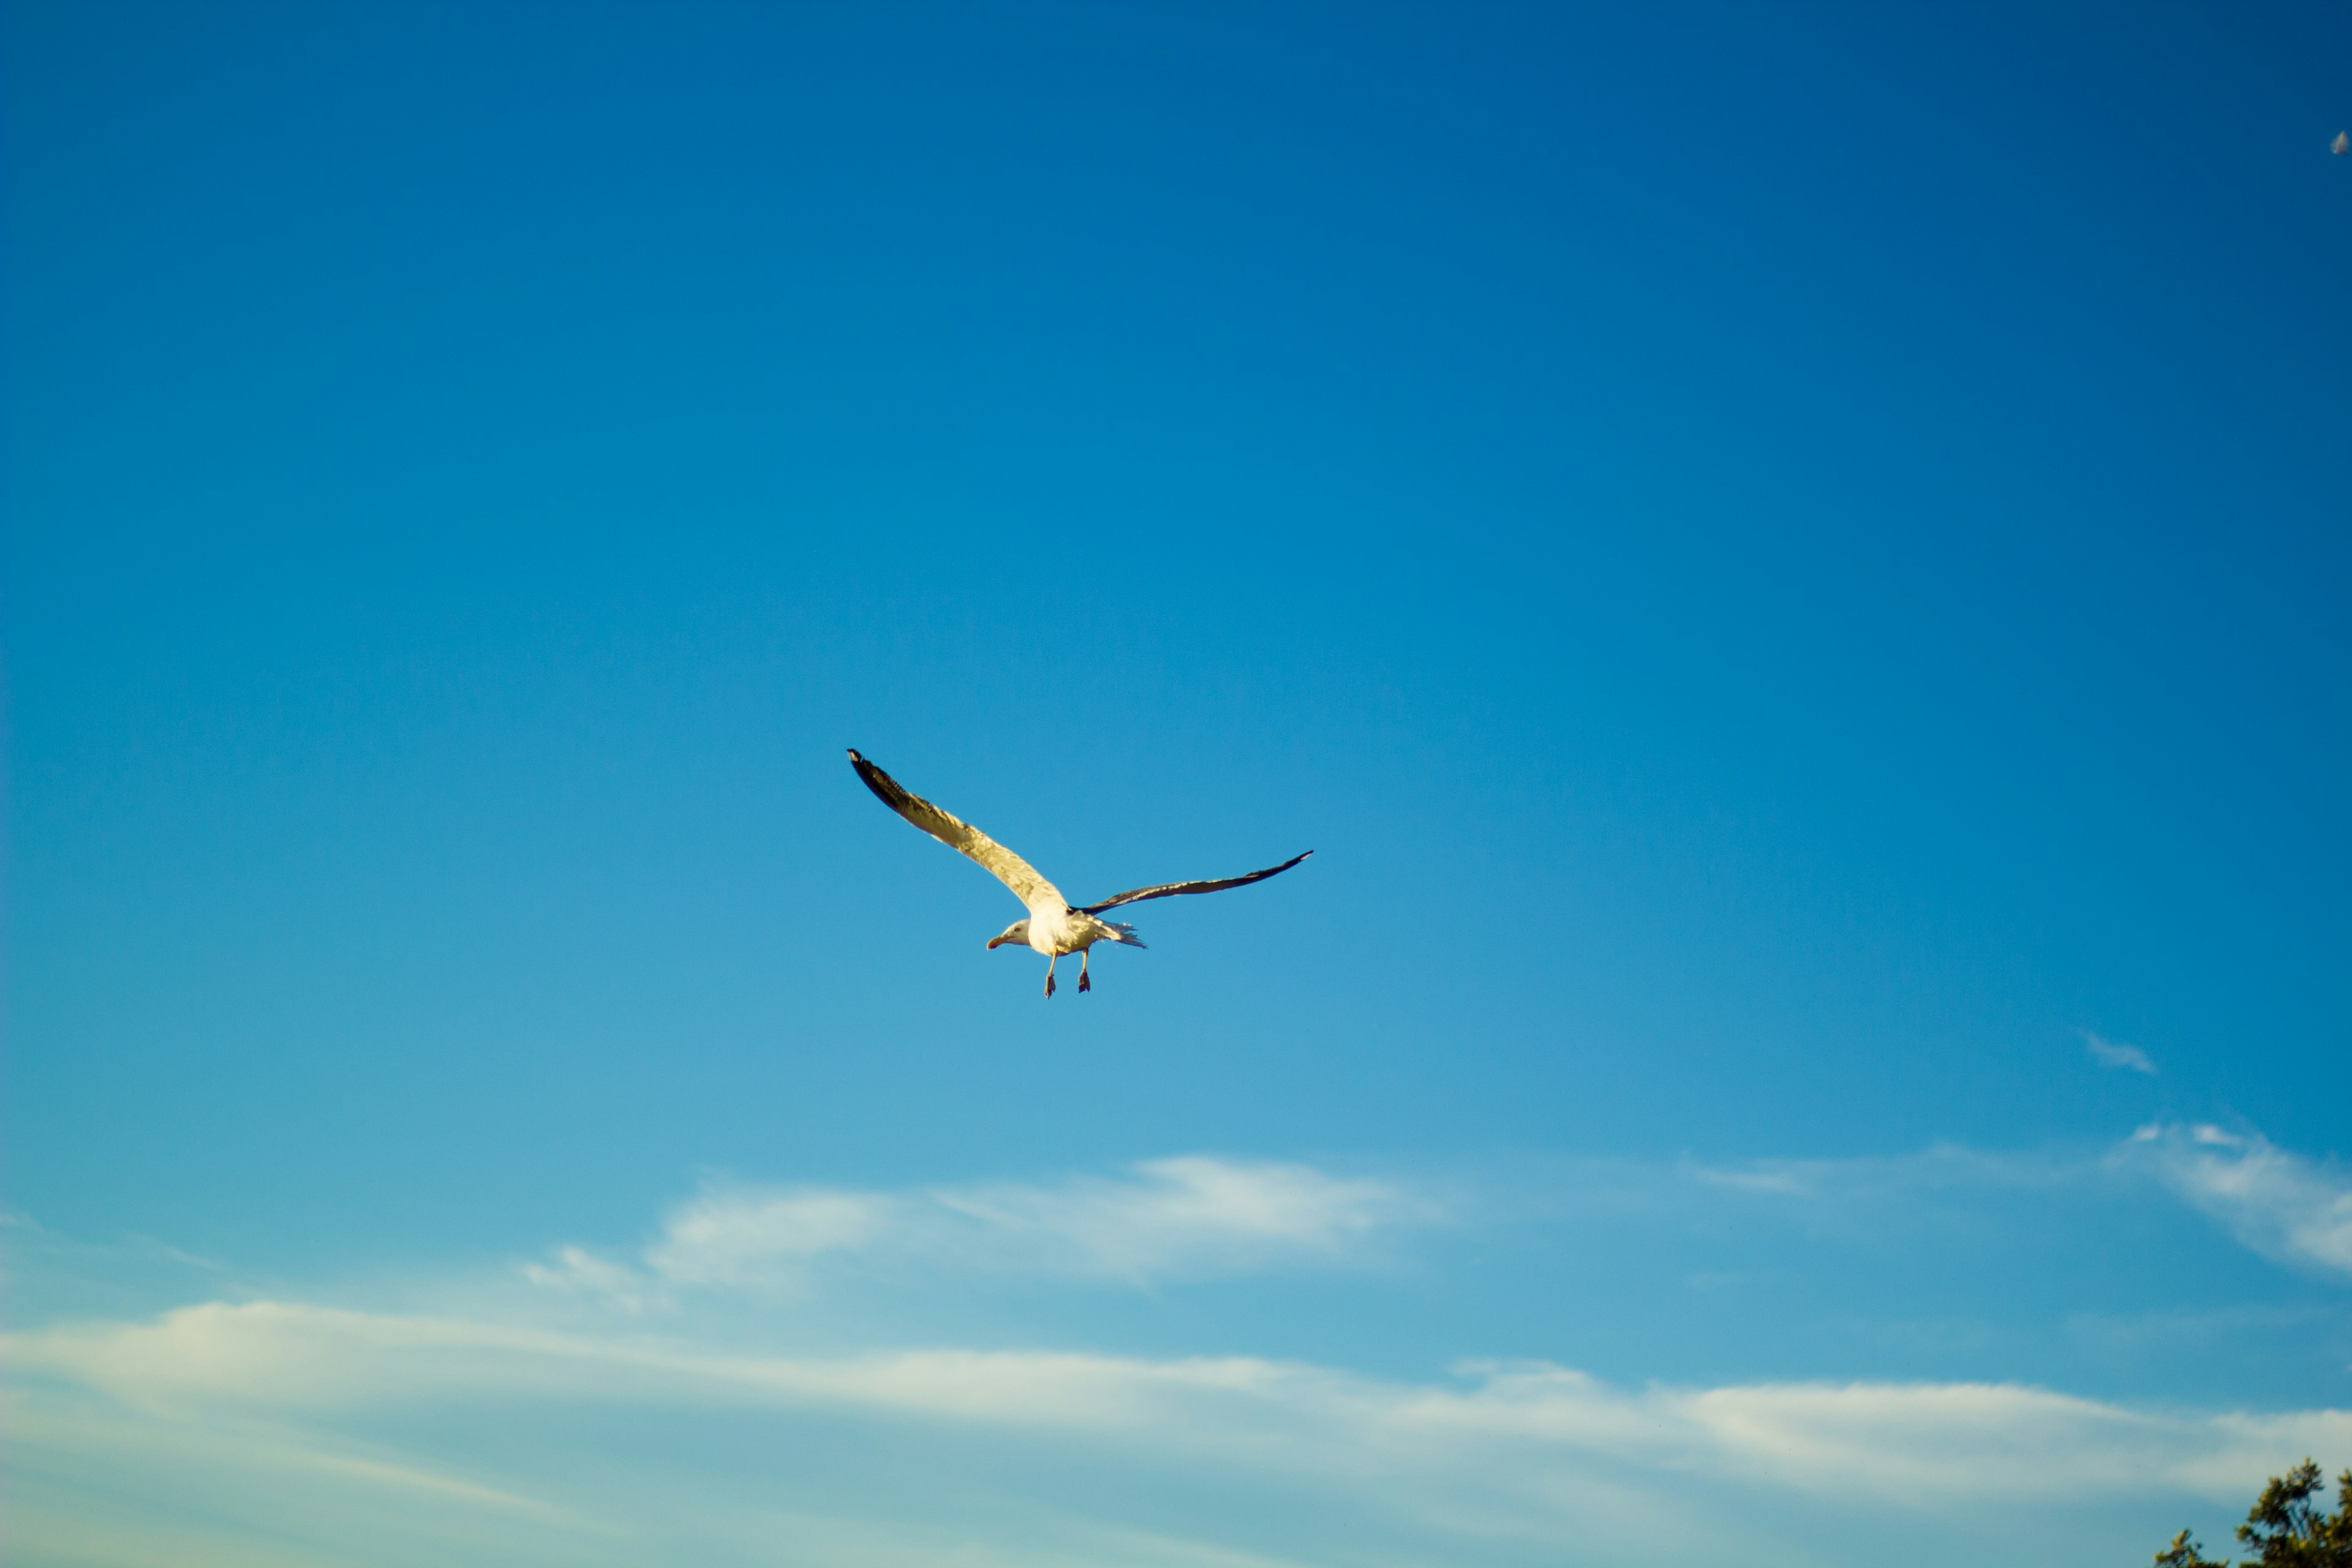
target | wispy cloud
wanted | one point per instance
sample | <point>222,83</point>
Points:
<point>292,1358</point>
<point>1197,1217</point>
<point>731,1236</point>
<point>2279,1204</point>
<point>577,1269</point>
<point>1186,1217</point>
<point>2112,1054</point>
<point>515,1408</point>
<point>1531,1452</point>
<point>1939,1167</point>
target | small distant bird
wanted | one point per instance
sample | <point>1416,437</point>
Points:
<point>2341,145</point>
<point>1053,927</point>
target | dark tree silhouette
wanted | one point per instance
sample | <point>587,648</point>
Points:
<point>2284,1527</point>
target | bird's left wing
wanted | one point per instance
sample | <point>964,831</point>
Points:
<point>1170,889</point>
<point>962,837</point>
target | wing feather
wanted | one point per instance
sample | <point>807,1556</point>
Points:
<point>1170,889</point>
<point>961,837</point>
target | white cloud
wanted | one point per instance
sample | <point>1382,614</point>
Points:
<point>1523,1452</point>
<point>2115,1055</point>
<point>1186,1217</point>
<point>1791,1178</point>
<point>1190,1215</point>
<point>1499,1463</point>
<point>1939,1167</point>
<point>1196,1216</point>
<point>728,1236</point>
<point>577,1269</point>
<point>2279,1204</point>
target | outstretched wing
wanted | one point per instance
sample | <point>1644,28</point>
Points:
<point>1170,889</point>
<point>961,837</point>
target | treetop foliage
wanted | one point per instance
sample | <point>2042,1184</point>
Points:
<point>2284,1527</point>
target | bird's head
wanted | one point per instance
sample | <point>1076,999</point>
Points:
<point>1018,931</point>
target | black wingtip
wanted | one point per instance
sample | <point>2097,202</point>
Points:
<point>853,756</point>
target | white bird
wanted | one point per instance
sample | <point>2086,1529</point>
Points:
<point>1054,927</point>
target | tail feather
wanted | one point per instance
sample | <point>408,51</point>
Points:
<point>1125,933</point>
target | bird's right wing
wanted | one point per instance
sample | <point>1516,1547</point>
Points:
<point>961,837</point>
<point>1170,889</point>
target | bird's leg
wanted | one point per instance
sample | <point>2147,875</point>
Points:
<point>1049,975</point>
<point>1086,983</point>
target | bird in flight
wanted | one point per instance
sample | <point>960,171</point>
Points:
<point>1054,927</point>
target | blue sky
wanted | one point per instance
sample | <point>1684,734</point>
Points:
<point>1790,563</point>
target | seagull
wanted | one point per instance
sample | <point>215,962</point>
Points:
<point>1054,927</point>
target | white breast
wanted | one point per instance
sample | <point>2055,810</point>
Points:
<point>1049,930</point>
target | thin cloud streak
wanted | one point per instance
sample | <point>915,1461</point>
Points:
<point>1939,1167</point>
<point>2111,1053</point>
<point>1187,1216</point>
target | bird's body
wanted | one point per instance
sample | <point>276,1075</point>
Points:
<point>1053,927</point>
<point>1057,933</point>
